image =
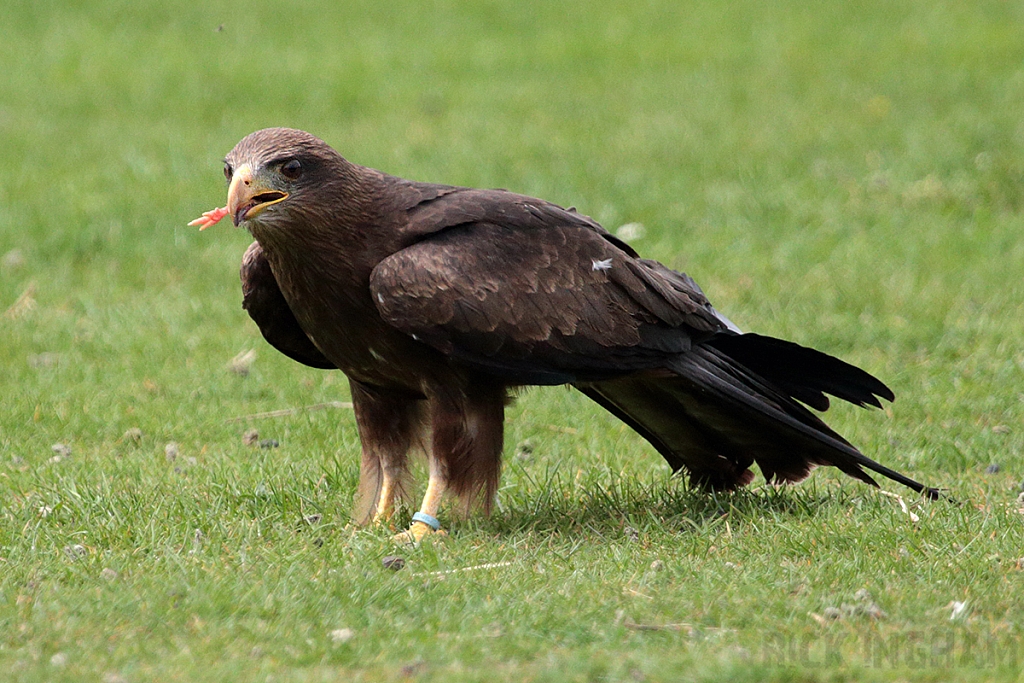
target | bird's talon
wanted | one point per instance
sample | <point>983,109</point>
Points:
<point>415,534</point>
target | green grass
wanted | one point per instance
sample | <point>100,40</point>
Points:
<point>850,176</point>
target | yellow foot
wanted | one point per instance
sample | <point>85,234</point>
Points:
<point>416,533</point>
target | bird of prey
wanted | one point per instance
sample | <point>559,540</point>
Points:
<point>438,302</point>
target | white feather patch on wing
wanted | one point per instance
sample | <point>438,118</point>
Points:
<point>603,264</point>
<point>728,323</point>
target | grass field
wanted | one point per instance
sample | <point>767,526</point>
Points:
<point>849,176</point>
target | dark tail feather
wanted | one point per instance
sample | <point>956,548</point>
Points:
<point>715,416</point>
<point>802,373</point>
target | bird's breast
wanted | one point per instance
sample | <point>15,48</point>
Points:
<point>332,303</point>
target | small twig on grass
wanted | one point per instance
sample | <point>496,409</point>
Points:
<point>688,629</point>
<point>489,565</point>
<point>903,505</point>
<point>562,430</point>
<point>23,304</point>
<point>822,620</point>
<point>290,411</point>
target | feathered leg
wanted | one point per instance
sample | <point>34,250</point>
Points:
<point>465,454</point>
<point>388,425</point>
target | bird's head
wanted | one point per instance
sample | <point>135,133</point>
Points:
<point>269,173</point>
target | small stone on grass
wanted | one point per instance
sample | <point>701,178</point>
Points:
<point>413,669</point>
<point>341,635</point>
<point>864,607</point>
<point>134,435</point>
<point>242,363</point>
<point>393,562</point>
<point>251,437</point>
<point>108,574</point>
<point>13,259</point>
<point>47,359</point>
<point>269,443</point>
<point>75,552</point>
<point>524,451</point>
<point>867,605</point>
<point>171,451</point>
<point>993,468</point>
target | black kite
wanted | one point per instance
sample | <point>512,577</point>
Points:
<point>436,301</point>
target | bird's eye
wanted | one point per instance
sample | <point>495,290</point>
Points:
<point>228,171</point>
<point>291,169</point>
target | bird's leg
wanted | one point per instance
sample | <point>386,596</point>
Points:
<point>425,522</point>
<point>386,498</point>
<point>473,463</point>
<point>387,424</point>
<point>465,454</point>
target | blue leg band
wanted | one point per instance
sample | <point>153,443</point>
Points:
<point>427,519</point>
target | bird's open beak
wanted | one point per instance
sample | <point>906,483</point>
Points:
<point>248,195</point>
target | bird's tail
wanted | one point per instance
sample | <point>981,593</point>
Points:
<point>733,401</point>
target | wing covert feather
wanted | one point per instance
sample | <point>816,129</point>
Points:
<point>547,304</point>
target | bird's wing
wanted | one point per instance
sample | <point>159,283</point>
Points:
<point>534,293</point>
<point>537,294</point>
<point>262,298</point>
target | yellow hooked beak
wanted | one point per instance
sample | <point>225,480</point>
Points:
<point>249,194</point>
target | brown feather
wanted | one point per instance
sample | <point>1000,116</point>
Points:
<point>389,425</point>
<point>265,303</point>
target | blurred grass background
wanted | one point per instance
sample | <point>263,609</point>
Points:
<point>848,176</point>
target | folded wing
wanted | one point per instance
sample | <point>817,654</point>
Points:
<point>535,294</point>
<point>266,305</point>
